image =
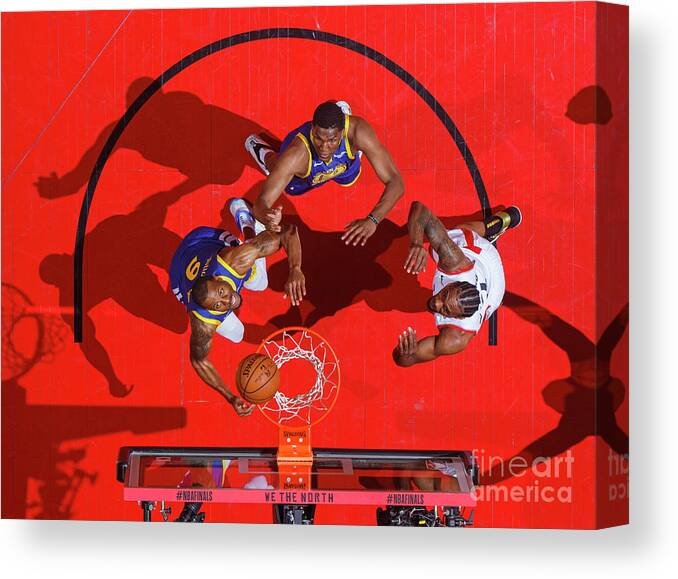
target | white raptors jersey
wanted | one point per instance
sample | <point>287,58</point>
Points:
<point>486,274</point>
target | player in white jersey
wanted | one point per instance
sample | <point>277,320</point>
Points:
<point>468,284</point>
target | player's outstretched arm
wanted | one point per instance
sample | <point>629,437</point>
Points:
<point>294,160</point>
<point>295,286</point>
<point>366,140</point>
<point>409,351</point>
<point>201,343</point>
<point>242,257</point>
<point>421,222</point>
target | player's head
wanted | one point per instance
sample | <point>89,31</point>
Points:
<point>215,294</point>
<point>456,300</point>
<point>327,129</point>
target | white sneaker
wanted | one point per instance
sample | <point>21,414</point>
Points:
<point>258,148</point>
<point>242,213</point>
<point>345,107</point>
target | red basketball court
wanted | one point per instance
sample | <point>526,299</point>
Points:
<point>509,76</point>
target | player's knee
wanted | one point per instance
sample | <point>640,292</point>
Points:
<point>233,332</point>
<point>261,282</point>
<point>236,335</point>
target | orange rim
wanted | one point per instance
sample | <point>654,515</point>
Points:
<point>334,355</point>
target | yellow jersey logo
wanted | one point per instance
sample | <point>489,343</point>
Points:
<point>328,175</point>
<point>192,269</point>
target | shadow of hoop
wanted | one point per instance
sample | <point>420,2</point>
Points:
<point>30,334</point>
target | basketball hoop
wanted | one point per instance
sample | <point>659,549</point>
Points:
<point>294,414</point>
<point>312,405</point>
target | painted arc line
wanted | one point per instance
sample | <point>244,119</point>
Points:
<point>213,48</point>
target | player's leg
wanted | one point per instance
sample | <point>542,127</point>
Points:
<point>258,281</point>
<point>496,224</point>
<point>477,226</point>
<point>244,218</point>
<point>262,153</point>
<point>231,328</point>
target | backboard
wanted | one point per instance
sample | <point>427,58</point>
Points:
<point>423,488</point>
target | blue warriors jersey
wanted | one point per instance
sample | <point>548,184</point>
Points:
<point>343,167</point>
<point>197,257</point>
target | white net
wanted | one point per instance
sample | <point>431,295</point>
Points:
<point>306,407</point>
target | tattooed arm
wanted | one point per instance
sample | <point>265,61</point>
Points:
<point>201,343</point>
<point>422,222</point>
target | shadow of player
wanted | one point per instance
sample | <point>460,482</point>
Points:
<point>339,276</point>
<point>174,129</point>
<point>591,105</point>
<point>122,249</point>
<point>32,434</point>
<point>587,399</point>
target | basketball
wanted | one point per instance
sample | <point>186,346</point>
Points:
<point>257,378</point>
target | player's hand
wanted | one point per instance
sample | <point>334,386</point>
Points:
<point>358,231</point>
<point>241,407</point>
<point>416,259</point>
<point>407,342</point>
<point>272,219</point>
<point>48,187</point>
<point>295,287</point>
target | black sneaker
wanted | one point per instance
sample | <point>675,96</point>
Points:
<point>258,148</point>
<point>502,221</point>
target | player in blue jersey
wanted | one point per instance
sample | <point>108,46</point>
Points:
<point>209,270</point>
<point>328,148</point>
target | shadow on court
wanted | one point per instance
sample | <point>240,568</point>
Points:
<point>120,252</point>
<point>587,399</point>
<point>33,434</point>
<point>174,129</point>
<point>339,276</point>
